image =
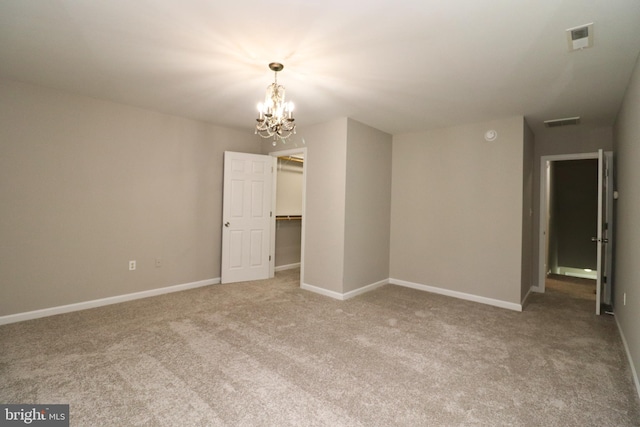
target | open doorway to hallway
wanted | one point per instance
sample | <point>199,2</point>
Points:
<point>576,221</point>
<point>572,214</point>
<point>575,287</point>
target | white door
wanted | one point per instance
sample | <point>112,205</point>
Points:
<point>246,217</point>
<point>607,294</point>
<point>604,236</point>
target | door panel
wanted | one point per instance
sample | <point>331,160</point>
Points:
<point>235,249</point>
<point>237,198</point>
<point>256,248</point>
<point>257,199</point>
<point>246,219</point>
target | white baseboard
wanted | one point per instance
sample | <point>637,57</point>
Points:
<point>440,291</point>
<point>347,295</point>
<point>287,266</point>
<point>459,295</point>
<point>36,314</point>
<point>364,289</point>
<point>634,373</point>
<point>322,291</point>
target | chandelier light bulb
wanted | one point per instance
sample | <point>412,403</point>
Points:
<point>260,112</point>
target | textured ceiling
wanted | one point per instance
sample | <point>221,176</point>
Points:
<point>399,66</point>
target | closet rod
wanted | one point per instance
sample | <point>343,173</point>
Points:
<point>293,159</point>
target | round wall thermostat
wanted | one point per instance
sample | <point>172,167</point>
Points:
<point>490,135</point>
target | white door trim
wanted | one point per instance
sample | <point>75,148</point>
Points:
<point>542,242</point>
<point>291,152</point>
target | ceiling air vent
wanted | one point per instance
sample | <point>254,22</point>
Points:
<point>562,122</point>
<point>580,37</point>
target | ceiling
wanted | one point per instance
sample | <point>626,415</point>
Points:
<point>397,65</point>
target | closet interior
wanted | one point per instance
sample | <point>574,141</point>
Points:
<point>289,211</point>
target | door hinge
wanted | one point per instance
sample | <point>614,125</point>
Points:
<point>269,257</point>
<point>270,214</point>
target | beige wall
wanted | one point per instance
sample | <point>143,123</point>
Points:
<point>573,139</point>
<point>527,211</point>
<point>627,231</point>
<point>348,204</point>
<point>289,187</point>
<point>87,185</point>
<point>325,160</point>
<point>368,206</point>
<point>288,242</point>
<point>456,210</point>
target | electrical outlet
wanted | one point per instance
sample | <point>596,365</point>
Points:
<point>132,265</point>
<point>158,262</point>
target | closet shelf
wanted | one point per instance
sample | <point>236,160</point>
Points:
<point>288,217</point>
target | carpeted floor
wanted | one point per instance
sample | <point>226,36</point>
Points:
<point>268,353</point>
<point>573,287</point>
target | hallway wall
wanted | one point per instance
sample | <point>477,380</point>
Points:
<point>627,231</point>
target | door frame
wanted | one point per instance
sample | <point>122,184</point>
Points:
<point>290,152</point>
<point>545,162</point>
<point>608,200</point>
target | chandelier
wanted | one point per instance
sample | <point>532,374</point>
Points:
<point>275,116</point>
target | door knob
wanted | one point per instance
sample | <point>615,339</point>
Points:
<point>594,239</point>
<point>226,224</point>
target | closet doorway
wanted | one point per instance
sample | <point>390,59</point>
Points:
<point>288,234</point>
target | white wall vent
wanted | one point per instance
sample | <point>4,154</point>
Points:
<point>562,122</point>
<point>580,37</point>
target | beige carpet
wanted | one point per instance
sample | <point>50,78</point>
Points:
<point>268,353</point>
